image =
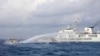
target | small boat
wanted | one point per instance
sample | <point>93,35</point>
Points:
<point>12,41</point>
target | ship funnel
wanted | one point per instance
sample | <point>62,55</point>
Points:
<point>88,30</point>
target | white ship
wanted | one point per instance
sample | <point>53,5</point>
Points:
<point>67,35</point>
<point>71,35</point>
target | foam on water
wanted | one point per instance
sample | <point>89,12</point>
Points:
<point>41,38</point>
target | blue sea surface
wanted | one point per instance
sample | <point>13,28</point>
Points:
<point>51,49</point>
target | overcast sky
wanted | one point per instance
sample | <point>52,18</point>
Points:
<point>27,18</point>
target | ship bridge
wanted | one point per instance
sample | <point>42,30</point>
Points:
<point>67,30</point>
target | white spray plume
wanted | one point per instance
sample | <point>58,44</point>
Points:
<point>41,38</point>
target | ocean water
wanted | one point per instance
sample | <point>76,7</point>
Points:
<point>51,49</point>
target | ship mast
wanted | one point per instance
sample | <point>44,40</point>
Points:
<point>76,21</point>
